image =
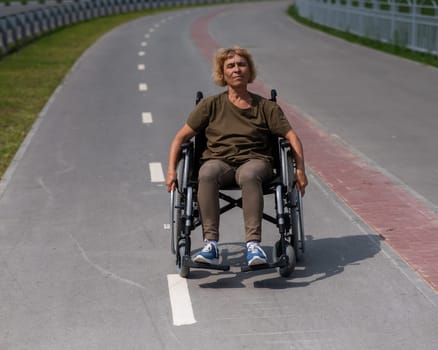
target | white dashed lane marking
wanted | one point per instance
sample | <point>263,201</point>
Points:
<point>142,87</point>
<point>141,67</point>
<point>182,310</point>
<point>146,117</point>
<point>156,171</point>
<point>141,53</point>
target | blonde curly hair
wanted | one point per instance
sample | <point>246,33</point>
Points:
<point>222,55</point>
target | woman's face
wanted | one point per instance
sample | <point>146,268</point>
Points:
<point>236,71</point>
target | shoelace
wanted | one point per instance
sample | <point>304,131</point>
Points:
<point>254,249</point>
<point>207,248</point>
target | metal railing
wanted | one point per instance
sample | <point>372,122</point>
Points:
<point>24,26</point>
<point>411,24</point>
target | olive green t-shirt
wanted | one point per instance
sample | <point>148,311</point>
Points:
<point>236,135</point>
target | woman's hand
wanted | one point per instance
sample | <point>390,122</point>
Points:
<point>183,135</point>
<point>301,181</point>
<point>171,180</point>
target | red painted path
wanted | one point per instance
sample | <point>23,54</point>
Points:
<point>406,223</point>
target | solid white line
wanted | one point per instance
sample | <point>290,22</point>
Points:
<point>146,117</point>
<point>182,311</point>
<point>156,172</point>
<point>142,87</point>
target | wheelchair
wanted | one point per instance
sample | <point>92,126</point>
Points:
<point>185,217</point>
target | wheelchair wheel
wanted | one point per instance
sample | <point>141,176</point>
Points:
<point>176,209</point>
<point>175,221</point>
<point>182,269</point>
<point>296,215</point>
<point>180,239</point>
<point>289,251</point>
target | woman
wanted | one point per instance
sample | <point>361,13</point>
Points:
<point>238,126</point>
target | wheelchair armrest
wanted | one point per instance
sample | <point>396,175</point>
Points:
<point>187,145</point>
<point>284,143</point>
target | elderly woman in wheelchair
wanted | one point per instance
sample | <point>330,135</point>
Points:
<point>243,140</point>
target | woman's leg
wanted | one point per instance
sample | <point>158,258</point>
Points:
<point>250,177</point>
<point>212,174</point>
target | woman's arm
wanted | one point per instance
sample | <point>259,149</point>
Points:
<point>183,135</point>
<point>297,148</point>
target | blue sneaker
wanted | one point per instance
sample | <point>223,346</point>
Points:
<point>209,254</point>
<point>255,254</point>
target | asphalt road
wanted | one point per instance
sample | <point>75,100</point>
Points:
<point>84,239</point>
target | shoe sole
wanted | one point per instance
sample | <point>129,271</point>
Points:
<point>204,260</point>
<point>257,261</point>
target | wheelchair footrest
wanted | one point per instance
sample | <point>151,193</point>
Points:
<point>188,262</point>
<point>282,262</point>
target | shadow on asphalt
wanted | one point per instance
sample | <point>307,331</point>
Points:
<point>323,258</point>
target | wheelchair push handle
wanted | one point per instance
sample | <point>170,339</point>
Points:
<point>273,95</point>
<point>199,96</point>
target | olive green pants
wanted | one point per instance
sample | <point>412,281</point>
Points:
<point>250,177</point>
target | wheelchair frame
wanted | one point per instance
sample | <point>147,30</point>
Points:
<point>185,216</point>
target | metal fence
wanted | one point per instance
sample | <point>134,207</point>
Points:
<point>24,26</point>
<point>407,23</point>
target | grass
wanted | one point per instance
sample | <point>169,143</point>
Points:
<point>423,58</point>
<point>29,76</point>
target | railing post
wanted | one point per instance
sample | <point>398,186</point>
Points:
<point>48,18</point>
<point>21,26</point>
<point>4,36</point>
<point>45,24</point>
<point>392,21</point>
<point>38,22</point>
<point>12,28</point>
<point>435,7</point>
<point>31,20</point>
<point>413,43</point>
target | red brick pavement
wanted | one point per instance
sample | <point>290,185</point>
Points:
<point>408,225</point>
